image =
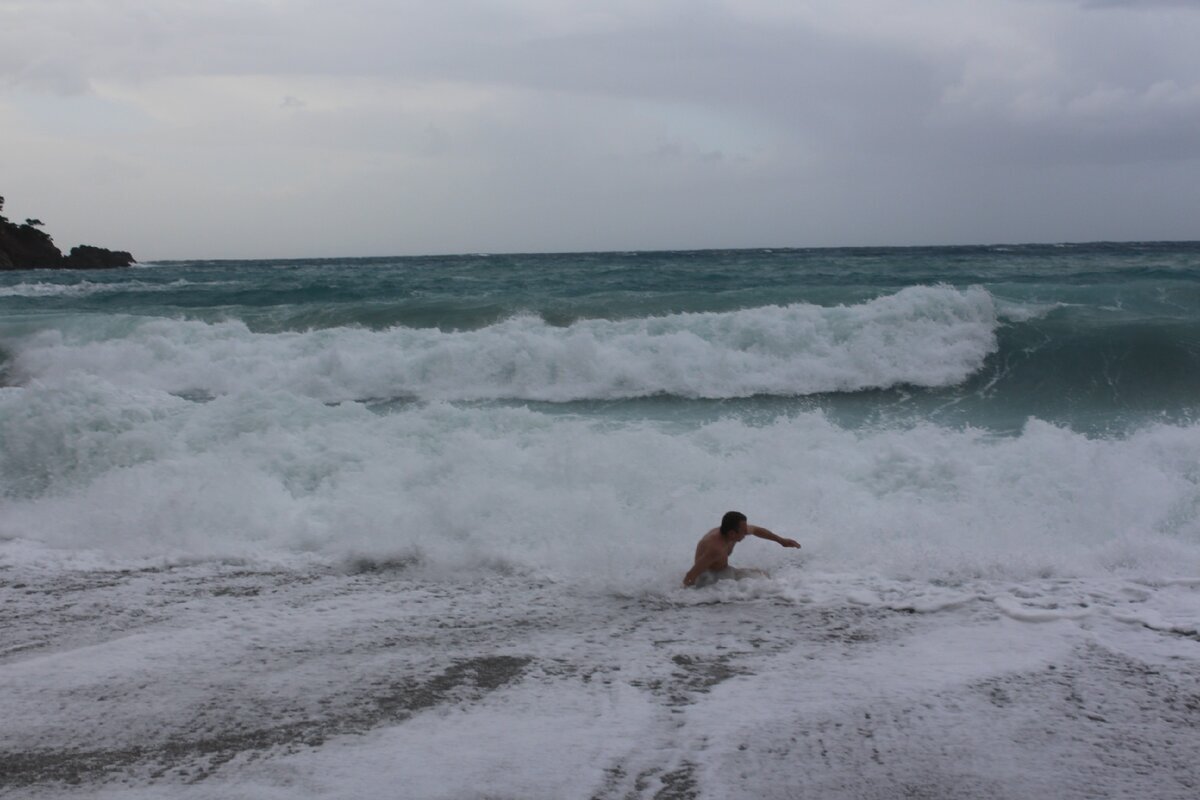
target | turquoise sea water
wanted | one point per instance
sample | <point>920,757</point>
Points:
<point>1096,337</point>
<point>1003,387</point>
<point>417,526</point>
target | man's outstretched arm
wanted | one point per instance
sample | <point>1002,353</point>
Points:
<point>763,533</point>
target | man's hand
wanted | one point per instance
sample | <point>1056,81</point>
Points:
<point>763,533</point>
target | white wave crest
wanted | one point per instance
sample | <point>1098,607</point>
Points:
<point>84,288</point>
<point>147,475</point>
<point>920,336</point>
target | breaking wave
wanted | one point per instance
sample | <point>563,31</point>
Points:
<point>927,336</point>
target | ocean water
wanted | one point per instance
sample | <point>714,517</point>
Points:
<point>415,527</point>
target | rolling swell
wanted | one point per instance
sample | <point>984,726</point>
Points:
<point>936,412</point>
<point>1096,370</point>
<point>978,335</point>
<point>925,345</point>
<point>1122,364</point>
<point>927,336</point>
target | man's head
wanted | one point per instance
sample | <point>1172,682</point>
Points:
<point>733,524</point>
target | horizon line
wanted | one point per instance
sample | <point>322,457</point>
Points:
<point>661,250</point>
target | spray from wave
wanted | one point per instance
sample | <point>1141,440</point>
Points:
<point>920,336</point>
<point>85,288</point>
<point>147,475</point>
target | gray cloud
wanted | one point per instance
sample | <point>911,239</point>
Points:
<point>1147,4</point>
<point>374,127</point>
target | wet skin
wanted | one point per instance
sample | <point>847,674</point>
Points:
<point>714,548</point>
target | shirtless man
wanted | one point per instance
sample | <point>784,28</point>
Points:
<point>712,553</point>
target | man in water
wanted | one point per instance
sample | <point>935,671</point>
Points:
<point>712,553</point>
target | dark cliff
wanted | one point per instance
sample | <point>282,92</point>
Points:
<point>27,246</point>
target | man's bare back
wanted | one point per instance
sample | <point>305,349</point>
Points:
<point>715,547</point>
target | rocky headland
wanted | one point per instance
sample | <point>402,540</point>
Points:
<point>27,246</point>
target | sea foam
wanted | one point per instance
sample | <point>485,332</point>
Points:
<point>84,288</point>
<point>144,475</point>
<point>177,439</point>
<point>921,336</point>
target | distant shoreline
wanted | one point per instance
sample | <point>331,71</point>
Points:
<point>27,246</point>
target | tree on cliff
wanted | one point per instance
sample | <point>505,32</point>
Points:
<point>27,247</point>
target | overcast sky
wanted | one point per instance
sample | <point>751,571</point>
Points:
<point>289,128</point>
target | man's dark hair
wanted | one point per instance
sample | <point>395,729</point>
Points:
<point>731,521</point>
